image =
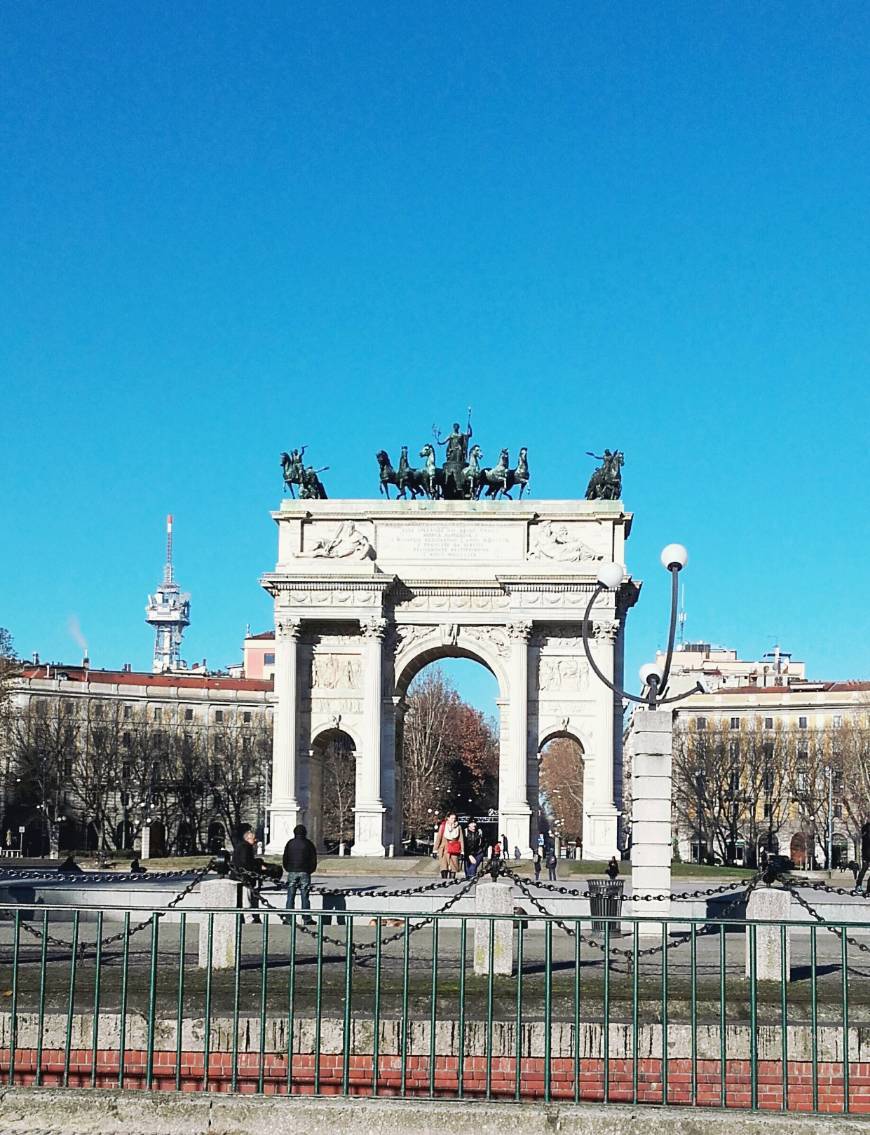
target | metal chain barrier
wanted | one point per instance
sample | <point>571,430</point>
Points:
<point>837,931</point>
<point>84,947</point>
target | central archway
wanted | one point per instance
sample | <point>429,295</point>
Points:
<point>561,791</point>
<point>332,790</point>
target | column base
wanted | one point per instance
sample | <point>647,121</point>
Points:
<point>600,823</point>
<point>369,822</point>
<point>283,818</point>
<point>515,822</point>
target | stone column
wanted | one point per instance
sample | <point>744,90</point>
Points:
<point>218,895</point>
<point>773,904</point>
<point>600,815</point>
<point>494,898</point>
<point>284,812</point>
<point>651,783</point>
<point>369,810</point>
<point>515,819</point>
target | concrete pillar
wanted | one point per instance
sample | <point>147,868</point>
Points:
<point>651,780</point>
<point>515,818</point>
<point>769,903</point>
<point>369,810</point>
<point>145,852</point>
<point>284,812</point>
<point>218,894</point>
<point>494,898</point>
<point>600,817</point>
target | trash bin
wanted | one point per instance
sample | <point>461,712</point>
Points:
<point>605,901</point>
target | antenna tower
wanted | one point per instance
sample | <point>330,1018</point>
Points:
<point>168,611</point>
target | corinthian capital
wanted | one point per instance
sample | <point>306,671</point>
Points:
<point>606,630</point>
<point>520,631</point>
<point>286,626</point>
<point>373,628</point>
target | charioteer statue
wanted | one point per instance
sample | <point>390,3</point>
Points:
<point>455,458</point>
<point>605,484</point>
<point>297,473</point>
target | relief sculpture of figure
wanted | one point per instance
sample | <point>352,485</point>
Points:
<point>555,542</point>
<point>347,543</point>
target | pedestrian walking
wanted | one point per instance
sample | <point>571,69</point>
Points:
<point>612,868</point>
<point>300,863</point>
<point>248,868</point>
<point>473,849</point>
<point>865,856</point>
<point>537,864</point>
<point>552,864</point>
<point>450,846</point>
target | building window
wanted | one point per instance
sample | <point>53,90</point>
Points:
<point>838,811</point>
<point>128,712</point>
<point>97,708</point>
<point>768,723</point>
<point>269,659</point>
<point>838,720</point>
<point>246,717</point>
<point>802,723</point>
<point>767,809</point>
<point>700,722</point>
<point>158,713</point>
<point>803,753</point>
<point>218,715</point>
<point>734,749</point>
<point>188,714</point>
<point>41,707</point>
<point>735,722</point>
<point>127,741</point>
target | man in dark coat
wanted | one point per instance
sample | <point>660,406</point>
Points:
<point>865,855</point>
<point>247,867</point>
<point>300,862</point>
<point>473,849</point>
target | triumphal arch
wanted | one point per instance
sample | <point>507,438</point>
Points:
<point>369,592</point>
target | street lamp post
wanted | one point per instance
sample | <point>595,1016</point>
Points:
<point>652,769</point>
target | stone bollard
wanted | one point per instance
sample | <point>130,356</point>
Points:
<point>218,894</point>
<point>651,833</point>
<point>769,903</point>
<point>494,898</point>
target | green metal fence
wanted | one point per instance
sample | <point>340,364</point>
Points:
<point>649,1011</point>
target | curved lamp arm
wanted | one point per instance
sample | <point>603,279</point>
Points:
<point>652,699</point>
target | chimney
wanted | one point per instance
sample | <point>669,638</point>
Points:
<point>35,658</point>
<point>128,666</point>
<point>86,663</point>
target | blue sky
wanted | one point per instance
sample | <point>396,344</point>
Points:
<point>227,231</point>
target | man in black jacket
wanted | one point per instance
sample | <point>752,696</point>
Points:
<point>865,856</point>
<point>473,849</point>
<point>248,868</point>
<point>300,861</point>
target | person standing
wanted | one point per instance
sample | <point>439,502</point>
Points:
<point>247,868</point>
<point>552,863</point>
<point>300,863</point>
<point>865,856</point>
<point>537,864</point>
<point>450,846</point>
<point>473,849</point>
<point>612,869</point>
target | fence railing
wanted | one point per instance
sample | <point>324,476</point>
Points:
<point>375,1003</point>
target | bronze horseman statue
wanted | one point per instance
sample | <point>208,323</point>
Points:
<point>605,484</point>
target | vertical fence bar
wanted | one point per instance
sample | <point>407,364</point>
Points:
<point>518,1019</point>
<point>753,1019</point>
<point>783,1012</point>
<point>460,1064</point>
<point>318,1019</point>
<point>348,994</point>
<point>664,1012</point>
<point>291,1002</point>
<point>152,1000</point>
<point>635,1008</point>
<point>43,956</point>
<point>206,1039</point>
<point>264,1000</point>
<point>548,1007</point>
<point>814,1015</point>
<point>122,1024</point>
<point>693,1009</point>
<point>237,993</point>
<point>606,1007</point>
<point>71,1001</point>
<point>489,1003</point>
<point>844,967</point>
<point>376,1012</point>
<point>723,1040</point>
<point>404,1039</point>
<point>433,1015</point>
<point>179,1004</point>
<point>577,944</point>
<point>13,1022</point>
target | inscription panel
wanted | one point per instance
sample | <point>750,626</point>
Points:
<point>451,540</point>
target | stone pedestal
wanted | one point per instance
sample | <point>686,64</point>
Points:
<point>218,894</point>
<point>494,898</point>
<point>769,903</point>
<point>651,782</point>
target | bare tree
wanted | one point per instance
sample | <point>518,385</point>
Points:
<point>338,785</point>
<point>561,783</point>
<point>239,761</point>
<point>429,744</point>
<point>45,739</point>
<point>851,742</point>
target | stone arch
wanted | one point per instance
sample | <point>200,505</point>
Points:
<point>574,736</point>
<point>331,795</point>
<point>434,648</point>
